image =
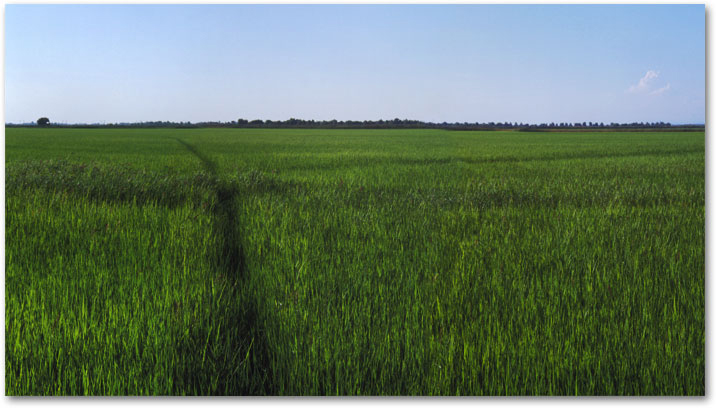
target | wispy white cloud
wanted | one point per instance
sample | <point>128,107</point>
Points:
<point>644,83</point>
<point>661,90</point>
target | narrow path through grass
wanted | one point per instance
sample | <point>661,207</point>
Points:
<point>230,261</point>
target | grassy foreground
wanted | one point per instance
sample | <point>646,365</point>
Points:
<point>354,262</point>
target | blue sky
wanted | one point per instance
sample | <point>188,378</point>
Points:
<point>562,63</point>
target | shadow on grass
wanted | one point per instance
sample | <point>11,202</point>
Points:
<point>126,185</point>
<point>234,360</point>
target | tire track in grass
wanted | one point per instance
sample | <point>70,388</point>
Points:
<point>231,256</point>
<point>240,364</point>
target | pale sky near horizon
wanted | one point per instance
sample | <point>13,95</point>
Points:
<point>465,63</point>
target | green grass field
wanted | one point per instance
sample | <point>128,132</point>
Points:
<point>354,262</point>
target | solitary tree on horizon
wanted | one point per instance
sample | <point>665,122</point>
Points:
<point>43,121</point>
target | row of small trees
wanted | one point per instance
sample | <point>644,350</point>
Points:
<point>372,124</point>
<point>416,123</point>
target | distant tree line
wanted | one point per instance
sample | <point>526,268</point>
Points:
<point>367,124</point>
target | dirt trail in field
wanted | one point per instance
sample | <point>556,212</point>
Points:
<point>230,260</point>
